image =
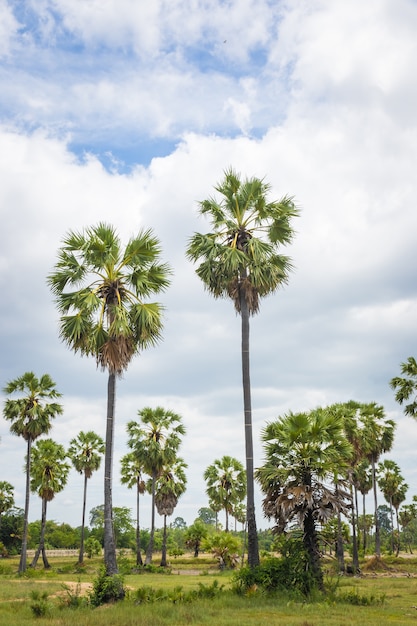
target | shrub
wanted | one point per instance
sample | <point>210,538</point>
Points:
<point>107,589</point>
<point>40,605</point>
<point>290,572</point>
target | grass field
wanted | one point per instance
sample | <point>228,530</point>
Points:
<point>391,595</point>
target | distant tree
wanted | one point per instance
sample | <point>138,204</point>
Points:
<point>207,515</point>
<point>31,415</point>
<point>195,535</point>
<point>394,489</point>
<point>100,287</point>
<point>179,523</point>
<point>170,485</point>
<point>240,260</point>
<point>122,522</point>
<point>49,475</point>
<point>405,386</point>
<point>132,469</point>
<point>226,484</point>
<point>11,530</point>
<point>85,452</point>
<point>155,441</point>
<point>6,497</point>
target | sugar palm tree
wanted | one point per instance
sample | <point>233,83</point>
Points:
<point>49,474</point>
<point>6,497</point>
<point>31,415</point>
<point>240,260</point>
<point>226,484</point>
<point>377,434</point>
<point>170,485</point>
<point>405,386</point>
<point>362,478</point>
<point>85,452</point>
<point>304,452</point>
<point>155,441</point>
<point>132,470</point>
<point>394,489</point>
<point>100,289</point>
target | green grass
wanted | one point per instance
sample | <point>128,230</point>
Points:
<point>394,595</point>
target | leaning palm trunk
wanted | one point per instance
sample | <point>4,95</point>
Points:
<point>41,546</point>
<point>164,544</point>
<point>253,550</point>
<point>354,522</point>
<point>109,541</point>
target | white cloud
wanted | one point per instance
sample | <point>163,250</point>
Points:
<point>342,140</point>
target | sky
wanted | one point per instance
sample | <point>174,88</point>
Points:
<point>129,113</point>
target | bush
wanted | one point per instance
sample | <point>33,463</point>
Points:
<point>107,589</point>
<point>40,605</point>
<point>291,572</point>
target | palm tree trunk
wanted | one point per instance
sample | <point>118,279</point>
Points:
<point>164,544</point>
<point>23,557</point>
<point>41,546</point>
<point>311,547</point>
<point>81,555</point>
<point>138,550</point>
<point>110,561</point>
<point>377,530</point>
<point>253,549</point>
<point>391,510</point>
<point>149,551</point>
<point>355,529</point>
<point>365,534</point>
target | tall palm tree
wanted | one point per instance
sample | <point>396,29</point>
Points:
<point>304,453</point>
<point>85,452</point>
<point>394,489</point>
<point>240,260</point>
<point>226,484</point>
<point>6,497</point>
<point>170,485</point>
<point>49,474</point>
<point>100,289</point>
<point>362,478</point>
<point>31,416</point>
<point>406,386</point>
<point>132,470</point>
<point>377,433</point>
<point>155,441</point>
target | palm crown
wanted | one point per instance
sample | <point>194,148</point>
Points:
<point>99,290</point>
<point>240,256</point>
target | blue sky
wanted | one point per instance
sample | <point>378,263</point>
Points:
<point>130,112</point>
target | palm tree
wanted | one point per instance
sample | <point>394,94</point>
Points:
<point>85,452</point>
<point>170,485</point>
<point>132,470</point>
<point>31,415</point>
<point>239,260</point>
<point>406,386</point>
<point>304,453</point>
<point>195,535</point>
<point>155,442</point>
<point>394,490</point>
<point>377,435</point>
<point>100,290</point>
<point>6,497</point>
<point>226,484</point>
<point>362,479</point>
<point>49,476</point>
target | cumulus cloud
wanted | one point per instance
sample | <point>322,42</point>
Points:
<point>319,101</point>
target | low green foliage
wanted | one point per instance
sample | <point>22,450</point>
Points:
<point>107,589</point>
<point>147,595</point>
<point>289,572</point>
<point>39,605</point>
